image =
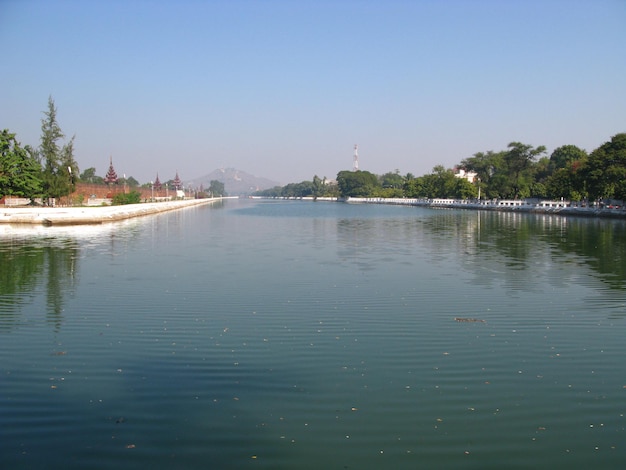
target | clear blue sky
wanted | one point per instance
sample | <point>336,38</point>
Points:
<point>285,88</point>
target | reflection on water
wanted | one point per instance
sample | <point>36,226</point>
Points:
<point>36,259</point>
<point>494,246</point>
<point>28,268</point>
<point>515,245</point>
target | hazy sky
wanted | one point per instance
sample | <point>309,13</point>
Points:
<point>285,88</point>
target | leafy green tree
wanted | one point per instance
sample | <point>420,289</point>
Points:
<point>20,171</point>
<point>305,188</point>
<point>441,183</point>
<point>271,192</point>
<point>58,163</point>
<point>49,151</point>
<point>542,170</point>
<point>519,160</point>
<point>538,189</point>
<point>463,189</point>
<point>499,185</point>
<point>489,168</point>
<point>357,183</point>
<point>133,197</point>
<point>89,176</point>
<point>444,182</point>
<point>605,171</point>
<point>565,155</point>
<point>317,186</point>
<point>392,180</point>
<point>388,192</point>
<point>415,188</point>
<point>68,163</point>
<point>564,183</point>
<point>132,182</point>
<point>216,188</point>
<point>329,189</point>
<point>302,189</point>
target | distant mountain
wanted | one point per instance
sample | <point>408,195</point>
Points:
<point>236,182</point>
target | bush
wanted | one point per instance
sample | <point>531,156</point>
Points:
<point>133,197</point>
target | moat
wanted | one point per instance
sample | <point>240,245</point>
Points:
<point>295,334</point>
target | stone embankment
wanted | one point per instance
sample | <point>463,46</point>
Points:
<point>501,205</point>
<point>541,207</point>
<point>91,215</point>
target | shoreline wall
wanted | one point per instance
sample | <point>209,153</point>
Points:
<point>542,207</point>
<point>92,215</point>
<point>563,208</point>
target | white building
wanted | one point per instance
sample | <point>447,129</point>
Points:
<point>468,175</point>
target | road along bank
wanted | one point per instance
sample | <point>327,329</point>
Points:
<point>92,215</point>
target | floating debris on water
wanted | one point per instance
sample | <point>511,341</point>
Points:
<point>470,320</point>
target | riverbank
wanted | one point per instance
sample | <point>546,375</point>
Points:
<point>564,208</point>
<point>91,215</point>
<point>543,207</point>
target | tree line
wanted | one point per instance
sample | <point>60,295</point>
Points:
<point>50,171</point>
<point>518,172</point>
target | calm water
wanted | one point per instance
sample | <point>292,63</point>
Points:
<point>283,335</point>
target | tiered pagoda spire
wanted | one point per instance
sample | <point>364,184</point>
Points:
<point>177,182</point>
<point>111,176</point>
<point>157,183</point>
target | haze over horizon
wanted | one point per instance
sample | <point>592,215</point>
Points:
<point>284,89</point>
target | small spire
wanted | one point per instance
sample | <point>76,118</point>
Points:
<point>177,182</point>
<point>111,176</point>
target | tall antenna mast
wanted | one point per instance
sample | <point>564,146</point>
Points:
<point>355,160</point>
